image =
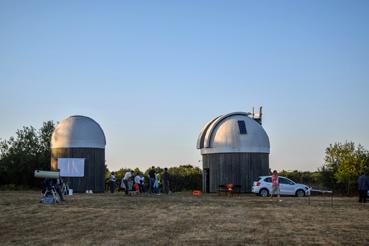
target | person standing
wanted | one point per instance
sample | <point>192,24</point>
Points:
<point>275,185</point>
<point>59,188</point>
<point>131,182</point>
<point>126,178</point>
<point>363,187</point>
<point>122,185</point>
<point>112,182</point>
<point>138,181</point>
<point>58,184</point>
<point>151,179</point>
<point>157,183</point>
<point>165,178</point>
<point>142,183</point>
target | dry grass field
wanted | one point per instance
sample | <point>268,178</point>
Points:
<point>180,219</point>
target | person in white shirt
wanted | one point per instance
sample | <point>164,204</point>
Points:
<point>137,179</point>
<point>126,178</point>
<point>112,182</point>
<point>122,185</point>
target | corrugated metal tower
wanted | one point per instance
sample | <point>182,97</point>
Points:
<point>81,137</point>
<point>235,149</point>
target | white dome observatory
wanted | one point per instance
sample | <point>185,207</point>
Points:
<point>235,149</point>
<point>81,137</point>
<point>78,132</point>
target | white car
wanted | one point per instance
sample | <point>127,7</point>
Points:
<point>263,187</point>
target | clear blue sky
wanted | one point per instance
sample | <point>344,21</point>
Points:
<point>152,73</point>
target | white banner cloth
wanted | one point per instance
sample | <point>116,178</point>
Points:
<point>71,167</point>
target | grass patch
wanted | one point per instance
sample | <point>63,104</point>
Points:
<point>114,219</point>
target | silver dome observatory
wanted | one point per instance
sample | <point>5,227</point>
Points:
<point>83,138</point>
<point>235,149</point>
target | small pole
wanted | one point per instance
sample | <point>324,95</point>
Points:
<point>332,199</point>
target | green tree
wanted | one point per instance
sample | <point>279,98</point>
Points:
<point>27,151</point>
<point>344,162</point>
<point>309,178</point>
<point>185,177</point>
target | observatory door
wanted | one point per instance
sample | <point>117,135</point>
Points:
<point>206,180</point>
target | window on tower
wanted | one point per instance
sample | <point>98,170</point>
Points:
<point>242,126</point>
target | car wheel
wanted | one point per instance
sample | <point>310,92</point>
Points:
<point>264,192</point>
<point>300,193</point>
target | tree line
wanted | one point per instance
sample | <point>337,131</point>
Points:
<point>29,150</point>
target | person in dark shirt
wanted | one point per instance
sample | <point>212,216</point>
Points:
<point>142,183</point>
<point>152,179</point>
<point>46,185</point>
<point>166,178</point>
<point>59,187</point>
<point>363,187</point>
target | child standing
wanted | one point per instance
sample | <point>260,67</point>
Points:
<point>275,185</point>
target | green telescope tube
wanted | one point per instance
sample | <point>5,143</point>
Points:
<point>46,174</point>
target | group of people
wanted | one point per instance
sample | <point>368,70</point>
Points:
<point>131,182</point>
<point>157,181</point>
<point>136,182</point>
